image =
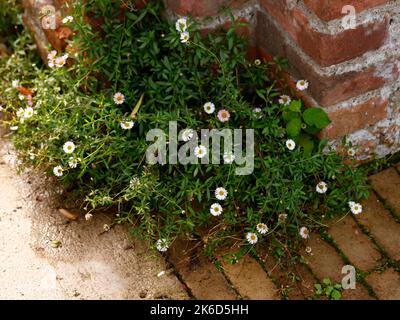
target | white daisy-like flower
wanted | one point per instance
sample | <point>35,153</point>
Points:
<point>187,134</point>
<point>14,128</point>
<point>28,113</point>
<point>127,124</point>
<point>321,187</point>
<point>282,217</point>
<point>67,19</point>
<point>216,209</point>
<point>21,97</point>
<point>284,100</point>
<point>355,208</point>
<point>302,85</point>
<point>229,158</point>
<point>251,238</point>
<point>106,227</point>
<point>308,250</point>
<point>61,61</point>
<point>119,98</point>
<point>351,152</point>
<point>304,233</point>
<point>162,245</point>
<point>262,228</point>
<point>15,83</point>
<point>73,162</point>
<point>290,144</point>
<point>185,37</point>
<point>20,113</point>
<point>209,107</point>
<point>134,183</point>
<point>69,147</point>
<point>257,62</point>
<point>221,193</point>
<point>181,24</point>
<point>88,216</point>
<point>52,55</point>
<point>257,112</point>
<point>58,171</point>
<point>200,151</point>
<point>223,115</point>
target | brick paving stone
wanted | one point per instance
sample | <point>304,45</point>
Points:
<point>249,278</point>
<point>386,285</point>
<point>387,185</point>
<point>355,244</point>
<point>382,226</point>
<point>200,275</point>
<point>325,262</point>
<point>299,289</point>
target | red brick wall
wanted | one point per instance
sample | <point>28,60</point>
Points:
<point>353,73</point>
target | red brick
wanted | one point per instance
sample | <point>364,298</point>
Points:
<point>201,8</point>
<point>355,244</point>
<point>387,185</point>
<point>348,120</point>
<point>325,89</point>
<point>327,49</point>
<point>386,284</point>
<point>381,224</point>
<point>249,278</point>
<point>198,272</point>
<point>332,9</point>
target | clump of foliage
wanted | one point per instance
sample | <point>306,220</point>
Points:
<point>328,289</point>
<point>139,53</point>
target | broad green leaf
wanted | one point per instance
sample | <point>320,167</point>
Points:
<point>336,295</point>
<point>295,106</point>
<point>289,115</point>
<point>316,117</point>
<point>307,143</point>
<point>293,127</point>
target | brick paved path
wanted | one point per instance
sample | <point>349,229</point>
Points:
<point>370,242</point>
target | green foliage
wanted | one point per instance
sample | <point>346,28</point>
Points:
<point>9,19</point>
<point>139,54</point>
<point>330,290</point>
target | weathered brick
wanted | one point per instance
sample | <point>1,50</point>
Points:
<point>329,10</point>
<point>387,185</point>
<point>327,49</point>
<point>381,224</point>
<point>325,89</point>
<point>201,8</point>
<point>249,278</point>
<point>198,272</point>
<point>355,117</point>
<point>299,288</point>
<point>325,262</point>
<point>386,285</point>
<point>355,244</point>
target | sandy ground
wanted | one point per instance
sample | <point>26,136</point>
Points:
<point>89,264</point>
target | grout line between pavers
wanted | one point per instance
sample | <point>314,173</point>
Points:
<point>389,262</point>
<point>387,206</point>
<point>179,277</point>
<point>276,283</point>
<point>360,274</point>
